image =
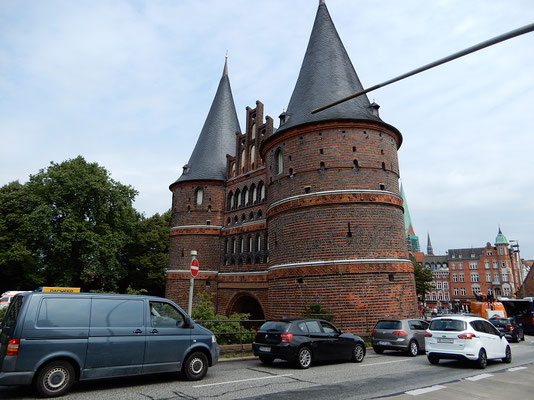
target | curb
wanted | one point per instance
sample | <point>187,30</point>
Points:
<point>237,359</point>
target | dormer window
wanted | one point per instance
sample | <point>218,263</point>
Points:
<point>187,168</point>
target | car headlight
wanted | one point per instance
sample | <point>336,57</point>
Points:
<point>213,339</point>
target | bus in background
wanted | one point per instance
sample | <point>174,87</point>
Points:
<point>522,310</point>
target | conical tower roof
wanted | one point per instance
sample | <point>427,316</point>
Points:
<point>326,75</point>
<point>217,138</point>
<point>429,249</point>
<point>407,219</point>
<point>501,239</point>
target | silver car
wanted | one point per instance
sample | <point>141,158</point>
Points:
<point>399,334</point>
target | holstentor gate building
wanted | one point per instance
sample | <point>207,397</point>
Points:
<point>309,212</point>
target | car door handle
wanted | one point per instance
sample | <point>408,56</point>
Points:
<point>154,331</point>
<point>138,331</point>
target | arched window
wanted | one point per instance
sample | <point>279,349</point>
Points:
<point>278,162</point>
<point>199,196</point>
<point>241,245</point>
<point>259,214</point>
<point>252,155</point>
<point>243,155</point>
<point>236,219</point>
<point>236,198</point>
<point>244,196</point>
<point>233,169</point>
<point>226,245</point>
<point>229,201</point>
<point>261,191</point>
<point>233,246</point>
<point>250,243</point>
<point>252,196</point>
<point>251,216</point>
<point>258,243</point>
<point>253,131</point>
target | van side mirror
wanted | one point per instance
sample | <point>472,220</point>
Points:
<point>188,324</point>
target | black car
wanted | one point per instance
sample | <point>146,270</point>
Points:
<point>510,327</point>
<point>304,341</point>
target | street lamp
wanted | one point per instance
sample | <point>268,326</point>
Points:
<point>516,250</point>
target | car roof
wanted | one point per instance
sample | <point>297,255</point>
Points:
<point>466,318</point>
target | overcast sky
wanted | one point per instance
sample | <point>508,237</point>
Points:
<point>128,84</point>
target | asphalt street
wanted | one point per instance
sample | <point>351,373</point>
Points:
<point>390,375</point>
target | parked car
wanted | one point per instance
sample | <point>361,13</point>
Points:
<point>399,334</point>
<point>53,339</point>
<point>6,298</point>
<point>305,341</point>
<point>510,327</point>
<point>465,338</point>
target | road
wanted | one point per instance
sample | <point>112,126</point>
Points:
<point>390,375</point>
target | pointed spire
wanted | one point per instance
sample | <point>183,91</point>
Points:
<point>501,239</point>
<point>225,69</point>
<point>326,75</point>
<point>217,138</point>
<point>429,249</point>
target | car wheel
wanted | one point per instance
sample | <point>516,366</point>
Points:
<point>433,359</point>
<point>515,338</point>
<point>508,355</point>
<point>523,337</point>
<point>266,360</point>
<point>482,360</point>
<point>55,379</point>
<point>196,366</point>
<point>304,358</point>
<point>413,348</point>
<point>358,353</point>
<point>378,350</point>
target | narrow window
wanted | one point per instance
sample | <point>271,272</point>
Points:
<point>384,166</point>
<point>253,195</point>
<point>252,155</point>
<point>320,151</point>
<point>278,162</point>
<point>244,196</point>
<point>382,187</point>
<point>229,201</point>
<point>253,131</point>
<point>355,165</point>
<point>353,149</point>
<point>236,198</point>
<point>243,155</point>
<point>199,196</point>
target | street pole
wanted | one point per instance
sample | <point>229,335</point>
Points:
<point>191,285</point>
<point>519,263</point>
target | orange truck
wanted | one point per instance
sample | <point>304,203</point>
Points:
<point>487,307</point>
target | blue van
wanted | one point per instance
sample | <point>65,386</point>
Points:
<point>51,340</point>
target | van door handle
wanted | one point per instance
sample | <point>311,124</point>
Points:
<point>138,331</point>
<point>154,331</point>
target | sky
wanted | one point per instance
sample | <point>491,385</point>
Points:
<point>128,84</point>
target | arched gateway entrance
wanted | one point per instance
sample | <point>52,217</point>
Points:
<point>246,303</point>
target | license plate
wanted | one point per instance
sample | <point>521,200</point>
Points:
<point>264,348</point>
<point>445,340</point>
<point>384,343</point>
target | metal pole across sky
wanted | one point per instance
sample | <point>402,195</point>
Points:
<point>469,50</point>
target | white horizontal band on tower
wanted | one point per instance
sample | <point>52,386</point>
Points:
<point>327,192</point>
<point>341,262</point>
<point>196,226</point>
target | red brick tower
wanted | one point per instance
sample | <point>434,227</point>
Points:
<point>199,196</point>
<point>334,212</point>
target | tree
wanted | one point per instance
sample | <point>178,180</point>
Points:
<point>423,279</point>
<point>68,225</point>
<point>148,254</point>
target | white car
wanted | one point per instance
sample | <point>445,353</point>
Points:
<point>6,298</point>
<point>465,338</point>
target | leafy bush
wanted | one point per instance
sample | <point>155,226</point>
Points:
<point>226,329</point>
<point>2,313</point>
<point>315,310</point>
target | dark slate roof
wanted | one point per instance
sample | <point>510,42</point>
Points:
<point>465,254</point>
<point>326,75</point>
<point>217,138</point>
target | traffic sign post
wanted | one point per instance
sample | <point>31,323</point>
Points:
<point>194,271</point>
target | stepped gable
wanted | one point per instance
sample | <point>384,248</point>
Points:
<point>217,138</point>
<point>326,75</point>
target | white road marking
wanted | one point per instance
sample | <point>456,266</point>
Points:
<point>516,369</point>
<point>385,362</point>
<point>243,380</point>
<point>417,392</point>
<point>478,377</point>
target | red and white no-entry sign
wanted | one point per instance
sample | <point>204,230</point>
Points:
<point>194,267</point>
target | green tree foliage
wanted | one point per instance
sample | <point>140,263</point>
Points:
<point>3,312</point>
<point>317,311</point>
<point>423,279</point>
<point>226,329</point>
<point>72,225</point>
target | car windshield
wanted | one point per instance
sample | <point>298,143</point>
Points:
<point>388,325</point>
<point>501,322</point>
<point>455,325</point>
<point>274,326</point>
<point>4,299</point>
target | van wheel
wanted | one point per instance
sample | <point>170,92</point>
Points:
<point>55,379</point>
<point>508,356</point>
<point>196,366</point>
<point>482,361</point>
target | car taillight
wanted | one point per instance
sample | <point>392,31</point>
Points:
<point>466,336</point>
<point>399,333</point>
<point>510,327</point>
<point>428,334</point>
<point>286,337</point>
<point>373,332</point>
<point>13,347</point>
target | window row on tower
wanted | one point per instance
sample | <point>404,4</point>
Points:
<point>246,197</point>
